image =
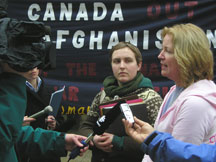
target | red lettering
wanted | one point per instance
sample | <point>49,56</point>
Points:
<point>190,5</point>
<point>150,9</point>
<point>72,93</point>
<point>70,67</point>
<point>168,10</point>
<point>150,70</point>
<point>64,96</point>
<point>155,10</point>
<point>92,68</point>
<point>81,69</point>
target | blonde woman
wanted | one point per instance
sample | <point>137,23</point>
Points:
<point>188,111</point>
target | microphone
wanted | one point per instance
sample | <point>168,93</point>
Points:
<point>46,110</point>
<point>100,126</point>
<point>104,122</point>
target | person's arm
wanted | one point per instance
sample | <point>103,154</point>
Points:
<point>44,142</point>
<point>13,105</point>
<point>163,147</point>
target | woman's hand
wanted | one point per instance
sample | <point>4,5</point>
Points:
<point>139,131</point>
<point>104,142</point>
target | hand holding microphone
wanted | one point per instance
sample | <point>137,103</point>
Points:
<point>27,120</point>
<point>46,110</point>
<point>100,126</point>
<point>51,122</point>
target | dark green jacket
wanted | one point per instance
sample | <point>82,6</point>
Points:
<point>12,110</point>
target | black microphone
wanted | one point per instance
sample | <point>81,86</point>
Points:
<point>46,110</point>
<point>100,126</point>
<point>104,122</point>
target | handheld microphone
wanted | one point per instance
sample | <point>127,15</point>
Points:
<point>104,122</point>
<point>46,110</point>
<point>100,126</point>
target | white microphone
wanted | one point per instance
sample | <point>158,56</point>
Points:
<point>46,110</point>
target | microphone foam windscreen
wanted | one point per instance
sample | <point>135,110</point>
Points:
<point>48,109</point>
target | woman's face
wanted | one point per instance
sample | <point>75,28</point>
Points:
<point>169,66</point>
<point>124,65</point>
<point>32,74</point>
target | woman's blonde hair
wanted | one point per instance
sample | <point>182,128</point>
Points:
<point>192,53</point>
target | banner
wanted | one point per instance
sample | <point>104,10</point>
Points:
<point>85,31</point>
